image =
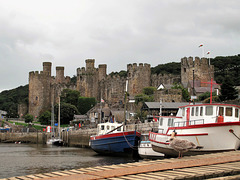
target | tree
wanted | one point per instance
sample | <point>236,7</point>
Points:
<point>185,93</point>
<point>85,104</point>
<point>10,99</point>
<point>67,112</point>
<point>70,96</point>
<point>143,98</point>
<point>228,91</point>
<point>169,68</point>
<point>149,90</point>
<point>45,118</point>
<point>28,118</point>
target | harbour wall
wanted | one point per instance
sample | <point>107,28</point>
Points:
<point>74,137</point>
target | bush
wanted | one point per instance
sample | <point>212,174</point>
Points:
<point>28,118</point>
<point>45,118</point>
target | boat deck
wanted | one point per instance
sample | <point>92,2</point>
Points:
<point>211,166</point>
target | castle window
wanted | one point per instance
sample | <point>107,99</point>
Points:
<point>184,69</point>
<point>36,98</point>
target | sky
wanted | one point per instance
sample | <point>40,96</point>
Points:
<point>113,32</point>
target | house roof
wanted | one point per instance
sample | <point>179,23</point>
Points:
<point>198,83</point>
<point>165,105</point>
<point>80,116</point>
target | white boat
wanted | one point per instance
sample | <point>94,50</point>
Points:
<point>145,150</point>
<point>55,140</point>
<point>215,127</point>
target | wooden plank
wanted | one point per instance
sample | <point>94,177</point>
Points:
<point>133,177</point>
<point>76,171</point>
<point>23,177</point>
<point>41,176</point>
<point>68,172</point>
<point>162,175</point>
<point>50,174</point>
<point>151,176</point>
<point>60,173</point>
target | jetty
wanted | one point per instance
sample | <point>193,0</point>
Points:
<point>216,166</point>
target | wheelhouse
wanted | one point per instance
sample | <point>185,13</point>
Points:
<point>200,114</point>
<point>108,127</point>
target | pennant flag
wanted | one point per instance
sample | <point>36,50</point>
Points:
<point>200,45</point>
<point>208,52</point>
<point>102,100</point>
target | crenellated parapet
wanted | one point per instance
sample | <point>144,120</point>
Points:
<point>203,71</point>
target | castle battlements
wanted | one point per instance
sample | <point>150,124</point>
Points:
<point>189,62</point>
<point>202,69</point>
<point>44,89</point>
<point>135,66</point>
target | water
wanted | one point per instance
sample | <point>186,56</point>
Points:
<point>25,159</point>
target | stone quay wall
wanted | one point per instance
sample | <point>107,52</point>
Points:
<point>78,138</point>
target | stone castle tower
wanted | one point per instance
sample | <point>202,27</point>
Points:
<point>138,77</point>
<point>88,78</point>
<point>45,89</point>
<point>202,70</point>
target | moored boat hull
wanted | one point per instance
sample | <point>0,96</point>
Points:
<point>122,143</point>
<point>145,151</point>
<point>216,137</point>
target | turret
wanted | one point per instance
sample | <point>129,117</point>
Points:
<point>47,68</point>
<point>60,74</point>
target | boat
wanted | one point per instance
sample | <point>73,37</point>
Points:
<point>215,127</point>
<point>57,141</point>
<point>111,138</point>
<point>145,150</point>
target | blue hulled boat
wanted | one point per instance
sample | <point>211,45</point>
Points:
<point>112,139</point>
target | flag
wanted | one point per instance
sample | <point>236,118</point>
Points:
<point>200,45</point>
<point>102,100</point>
<point>208,52</point>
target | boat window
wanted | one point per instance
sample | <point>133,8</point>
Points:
<point>119,129</point>
<point>183,111</point>
<point>108,127</point>
<point>160,121</point>
<point>170,122</point>
<point>102,127</point>
<point>228,111</point>
<point>236,112</point>
<point>221,111</point>
<point>209,110</point>
<point>192,113</point>
<point>197,111</point>
<point>201,111</point>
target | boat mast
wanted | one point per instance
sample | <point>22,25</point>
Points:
<point>59,134</point>
<point>52,121</point>
<point>125,103</point>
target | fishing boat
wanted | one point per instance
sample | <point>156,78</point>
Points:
<point>215,127</point>
<point>111,138</point>
<point>145,150</point>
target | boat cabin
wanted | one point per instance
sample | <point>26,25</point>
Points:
<point>104,128</point>
<point>200,114</point>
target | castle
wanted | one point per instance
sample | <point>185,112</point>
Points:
<point>45,89</point>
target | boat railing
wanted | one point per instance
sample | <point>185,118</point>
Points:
<point>191,122</point>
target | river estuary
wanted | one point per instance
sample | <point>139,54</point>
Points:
<point>25,159</point>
